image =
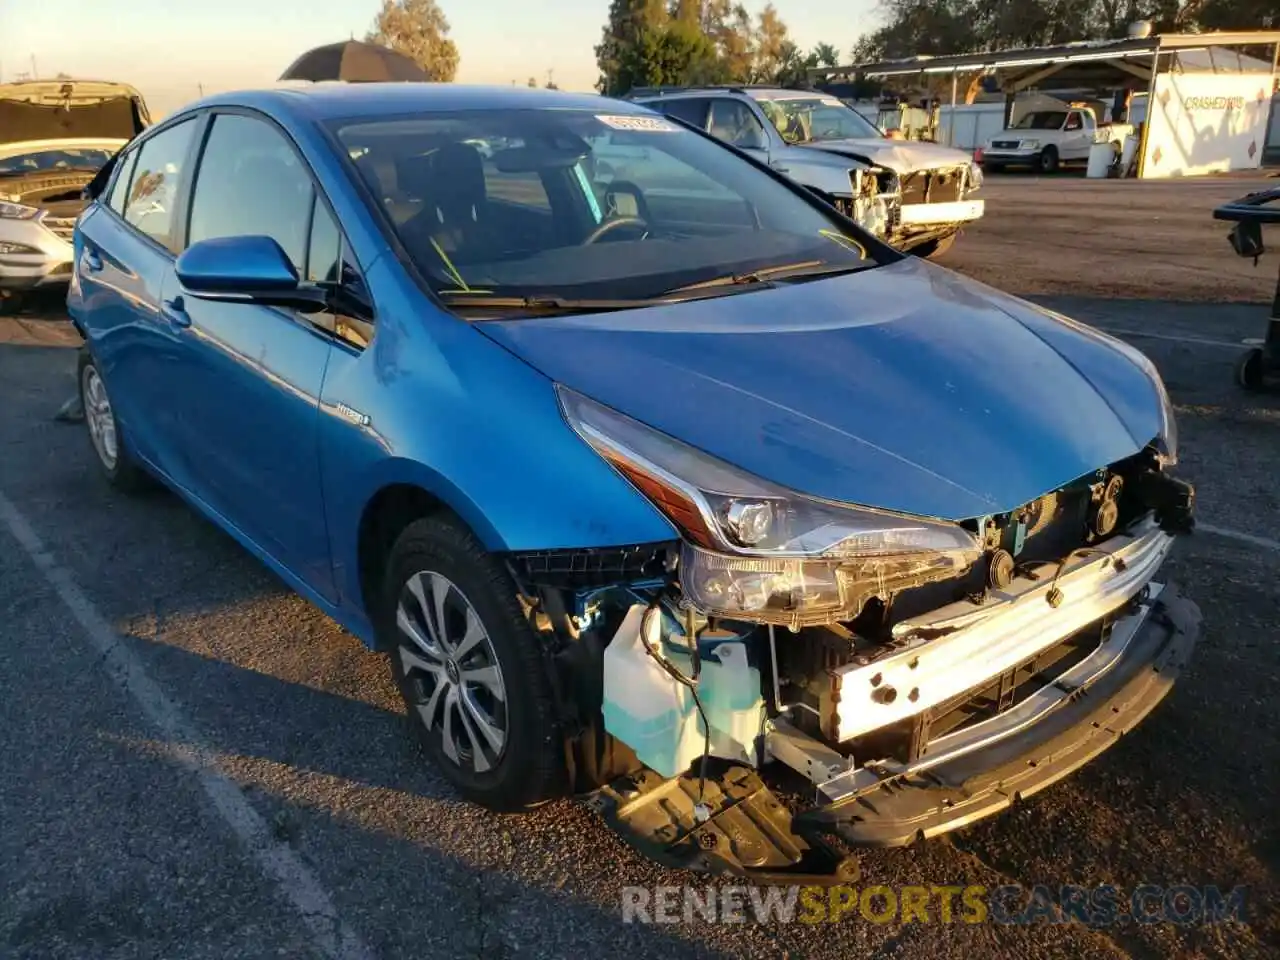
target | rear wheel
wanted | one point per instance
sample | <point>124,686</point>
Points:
<point>1048,162</point>
<point>470,668</point>
<point>105,434</point>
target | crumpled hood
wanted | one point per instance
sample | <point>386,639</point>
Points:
<point>901,156</point>
<point>904,387</point>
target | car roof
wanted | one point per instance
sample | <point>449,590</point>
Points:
<point>746,91</point>
<point>337,100</point>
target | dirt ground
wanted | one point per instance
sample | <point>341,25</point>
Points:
<point>1153,239</point>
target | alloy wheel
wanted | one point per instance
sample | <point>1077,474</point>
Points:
<point>100,418</point>
<point>454,678</point>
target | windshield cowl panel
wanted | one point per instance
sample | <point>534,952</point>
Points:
<point>576,205</point>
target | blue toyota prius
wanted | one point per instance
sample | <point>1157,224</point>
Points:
<point>657,478</point>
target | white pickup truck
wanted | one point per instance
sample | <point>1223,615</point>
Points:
<point>1046,139</point>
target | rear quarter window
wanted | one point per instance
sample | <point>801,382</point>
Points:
<point>157,182</point>
<point>120,186</point>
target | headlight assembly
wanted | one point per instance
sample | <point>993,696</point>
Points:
<point>8,247</point>
<point>1029,144</point>
<point>757,551</point>
<point>16,211</point>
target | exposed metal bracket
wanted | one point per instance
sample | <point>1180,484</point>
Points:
<point>811,758</point>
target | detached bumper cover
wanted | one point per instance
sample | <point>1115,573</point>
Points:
<point>982,782</point>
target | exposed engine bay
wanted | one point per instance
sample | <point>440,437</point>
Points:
<point>709,700</point>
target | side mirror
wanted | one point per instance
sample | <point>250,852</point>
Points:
<point>246,270</point>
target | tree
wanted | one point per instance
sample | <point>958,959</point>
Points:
<point>773,48</point>
<point>825,55</point>
<point>676,53</point>
<point>628,22</point>
<point>681,42</point>
<point>419,30</point>
<point>728,25</point>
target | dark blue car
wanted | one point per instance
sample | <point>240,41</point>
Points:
<point>656,477</point>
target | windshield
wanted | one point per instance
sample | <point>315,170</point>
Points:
<point>574,204</point>
<point>1042,120</point>
<point>809,119</point>
<point>60,158</point>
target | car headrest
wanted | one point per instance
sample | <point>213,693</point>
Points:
<point>458,170</point>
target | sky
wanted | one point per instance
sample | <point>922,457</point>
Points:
<point>170,49</point>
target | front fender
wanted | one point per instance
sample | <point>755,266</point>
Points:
<point>454,413</point>
<point>833,179</point>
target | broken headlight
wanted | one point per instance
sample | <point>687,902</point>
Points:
<point>975,176</point>
<point>757,551</point>
<point>867,207</point>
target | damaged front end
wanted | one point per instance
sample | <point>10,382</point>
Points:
<point>794,675</point>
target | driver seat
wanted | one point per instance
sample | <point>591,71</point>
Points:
<point>454,197</point>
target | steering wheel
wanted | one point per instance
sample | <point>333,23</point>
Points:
<point>611,225</point>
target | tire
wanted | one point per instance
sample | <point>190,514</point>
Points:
<point>484,715</point>
<point>934,249</point>
<point>1048,162</point>
<point>106,437</point>
<point>11,303</point>
<point>1250,372</point>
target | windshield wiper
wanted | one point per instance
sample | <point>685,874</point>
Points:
<point>706,289</point>
<point>810,269</point>
<point>462,300</point>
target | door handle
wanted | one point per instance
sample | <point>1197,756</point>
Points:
<point>92,261</point>
<point>175,312</point>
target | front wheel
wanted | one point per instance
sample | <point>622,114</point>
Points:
<point>934,249</point>
<point>470,669</point>
<point>1048,162</point>
<point>1251,369</point>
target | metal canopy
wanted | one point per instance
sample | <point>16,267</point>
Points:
<point>1118,51</point>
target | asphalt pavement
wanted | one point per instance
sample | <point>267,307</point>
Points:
<point>194,762</point>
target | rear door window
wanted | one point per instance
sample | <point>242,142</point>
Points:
<point>156,184</point>
<point>689,109</point>
<point>251,182</point>
<point>734,122</point>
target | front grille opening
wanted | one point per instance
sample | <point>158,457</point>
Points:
<point>908,740</point>
<point>1014,686</point>
<point>934,186</point>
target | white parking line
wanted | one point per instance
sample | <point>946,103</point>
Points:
<point>292,877</point>
<point>1143,335</point>
<point>1266,543</point>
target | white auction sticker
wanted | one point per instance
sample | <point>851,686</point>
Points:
<point>831,102</point>
<point>643,124</point>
